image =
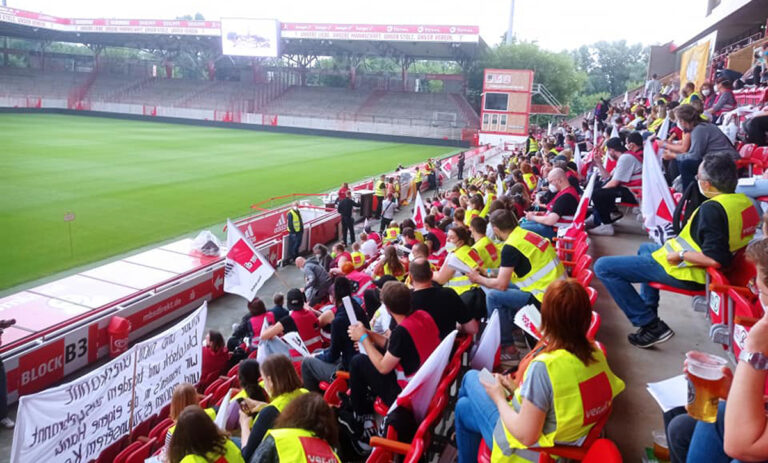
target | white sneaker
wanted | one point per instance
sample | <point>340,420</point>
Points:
<point>589,222</point>
<point>604,229</point>
<point>7,423</point>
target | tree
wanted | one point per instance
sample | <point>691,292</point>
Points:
<point>611,66</point>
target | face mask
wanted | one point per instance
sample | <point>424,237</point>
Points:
<point>205,342</point>
<point>410,257</point>
<point>552,188</point>
<point>708,194</point>
<point>333,254</point>
<point>449,246</point>
<point>705,92</point>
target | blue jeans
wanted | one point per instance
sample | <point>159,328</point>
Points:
<point>476,416</point>
<point>618,273</point>
<point>294,244</point>
<point>540,229</point>
<point>694,441</point>
<point>688,169</point>
<point>507,303</point>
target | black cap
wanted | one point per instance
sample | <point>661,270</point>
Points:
<point>295,299</point>
<point>636,138</point>
<point>615,144</point>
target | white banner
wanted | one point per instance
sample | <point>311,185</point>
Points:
<point>74,422</point>
<point>245,270</point>
<point>657,205</point>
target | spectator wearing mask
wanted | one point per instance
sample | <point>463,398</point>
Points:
<point>321,256</point>
<point>548,408</point>
<point>278,309</point>
<point>384,375</point>
<point>322,366</point>
<point>345,208</point>
<point>215,358</point>
<point>721,226</point>
<point>689,94</point>
<point>705,138</point>
<point>250,325</point>
<point>724,101</point>
<point>305,432</point>
<point>627,175</point>
<point>301,320</point>
<point>709,95</point>
<point>197,439</point>
<point>560,209</point>
<point>295,225</point>
<point>462,259</point>
<point>317,281</point>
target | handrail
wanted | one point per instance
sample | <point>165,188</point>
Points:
<point>292,195</point>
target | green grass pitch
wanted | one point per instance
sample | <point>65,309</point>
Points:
<point>132,183</point>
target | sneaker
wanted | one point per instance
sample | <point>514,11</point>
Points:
<point>354,426</point>
<point>589,222</point>
<point>7,423</point>
<point>616,215</point>
<point>605,229</point>
<point>653,333</point>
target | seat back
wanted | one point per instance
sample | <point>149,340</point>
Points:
<point>142,429</point>
<point>603,451</point>
<point>212,387</point>
<point>584,262</point>
<point>594,325</point>
<point>160,429</point>
<point>746,150</point>
<point>109,454</point>
<point>592,293</point>
<point>222,389</point>
<point>123,455</point>
<point>585,277</point>
<point>141,453</point>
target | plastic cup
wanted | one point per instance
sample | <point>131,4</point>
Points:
<point>660,447</point>
<point>705,375</point>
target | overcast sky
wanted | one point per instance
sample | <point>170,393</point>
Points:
<point>554,24</point>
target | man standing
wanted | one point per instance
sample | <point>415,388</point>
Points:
<point>317,281</point>
<point>722,225</point>
<point>560,210</point>
<point>461,166</point>
<point>379,191</point>
<point>295,231</point>
<point>652,87</point>
<point>347,222</point>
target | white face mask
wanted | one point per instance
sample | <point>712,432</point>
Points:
<point>410,257</point>
<point>552,188</point>
<point>449,246</point>
<point>705,92</point>
<point>708,194</point>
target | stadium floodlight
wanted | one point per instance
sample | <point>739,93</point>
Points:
<point>250,37</point>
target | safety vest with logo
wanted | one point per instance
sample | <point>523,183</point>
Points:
<point>489,198</point>
<point>391,233</point>
<point>545,266</point>
<point>460,282</point>
<point>488,252</point>
<point>566,220</point>
<point>308,328</point>
<point>256,323</point>
<point>362,280</point>
<point>426,337</point>
<point>380,188</point>
<point>282,401</point>
<point>295,225</point>
<point>530,181</point>
<point>581,396</point>
<point>687,100</point>
<point>533,145</point>
<point>232,454</point>
<point>743,220</point>
<point>358,259</point>
<point>471,214</point>
<point>301,446</point>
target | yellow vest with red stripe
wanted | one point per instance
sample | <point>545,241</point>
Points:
<point>581,395</point>
<point>358,259</point>
<point>743,220</point>
<point>282,401</point>
<point>471,214</point>
<point>391,233</point>
<point>460,282</point>
<point>687,100</point>
<point>387,271</point>
<point>232,454</point>
<point>488,252</point>
<point>301,446</point>
<point>530,181</point>
<point>490,197</point>
<point>545,266</point>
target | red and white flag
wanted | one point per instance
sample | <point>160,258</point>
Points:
<point>419,212</point>
<point>657,205</point>
<point>245,270</point>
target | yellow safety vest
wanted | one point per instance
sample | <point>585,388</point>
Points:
<point>232,454</point>
<point>282,401</point>
<point>530,181</point>
<point>387,271</point>
<point>460,282</point>
<point>554,151</point>
<point>210,412</point>
<point>533,145</point>
<point>417,177</point>
<point>358,259</point>
<point>301,446</point>
<point>295,220</point>
<point>581,395</point>
<point>390,234</point>
<point>489,252</point>
<point>489,198</point>
<point>545,266</point>
<point>471,214</point>
<point>743,220</point>
<point>380,189</point>
<point>687,100</point>
<point>654,126</point>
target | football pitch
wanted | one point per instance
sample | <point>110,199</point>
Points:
<point>130,183</point>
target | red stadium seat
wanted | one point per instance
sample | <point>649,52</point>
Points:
<point>603,451</point>
<point>585,277</point>
<point>684,292</point>
<point>206,401</point>
<point>213,386</point>
<point>142,452</point>
<point>747,160</point>
<point>584,263</point>
<point>592,292</point>
<point>123,455</point>
<point>221,391</point>
<point>594,325</point>
<point>109,454</point>
<point>160,430</point>
<point>142,429</point>
<point>233,371</point>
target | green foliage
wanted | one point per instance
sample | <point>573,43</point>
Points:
<point>586,102</point>
<point>611,66</point>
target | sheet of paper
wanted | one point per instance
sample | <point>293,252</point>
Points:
<point>670,393</point>
<point>350,310</point>
<point>456,264</point>
<point>529,319</point>
<point>221,415</point>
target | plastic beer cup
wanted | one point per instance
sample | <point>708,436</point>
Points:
<point>705,374</point>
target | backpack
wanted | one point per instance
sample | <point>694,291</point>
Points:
<point>690,201</point>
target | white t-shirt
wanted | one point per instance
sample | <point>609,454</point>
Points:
<point>369,248</point>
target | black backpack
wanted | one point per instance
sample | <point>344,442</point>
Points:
<point>690,201</point>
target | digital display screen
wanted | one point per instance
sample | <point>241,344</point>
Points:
<point>496,101</point>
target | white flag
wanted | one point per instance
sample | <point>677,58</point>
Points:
<point>626,98</point>
<point>484,352</point>
<point>581,210</point>
<point>499,186</point>
<point>657,205</point>
<point>549,128</point>
<point>577,159</point>
<point>664,129</point>
<point>594,133</point>
<point>419,212</point>
<point>245,270</point>
<point>615,132</point>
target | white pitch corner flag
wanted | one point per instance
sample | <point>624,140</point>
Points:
<point>419,213</point>
<point>245,270</point>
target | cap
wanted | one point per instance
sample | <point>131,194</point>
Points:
<point>295,299</point>
<point>615,144</point>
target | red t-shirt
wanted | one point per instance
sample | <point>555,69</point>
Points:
<point>213,364</point>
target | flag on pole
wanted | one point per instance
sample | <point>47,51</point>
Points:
<point>549,128</point>
<point>626,98</point>
<point>577,158</point>
<point>615,132</point>
<point>245,270</point>
<point>419,212</point>
<point>594,133</point>
<point>664,129</point>
<point>657,205</point>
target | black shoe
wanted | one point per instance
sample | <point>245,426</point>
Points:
<point>357,428</point>
<point>653,333</point>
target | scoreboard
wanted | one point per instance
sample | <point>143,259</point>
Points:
<point>506,105</point>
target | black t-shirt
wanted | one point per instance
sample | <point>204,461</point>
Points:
<point>565,205</point>
<point>445,307</point>
<point>709,230</point>
<point>401,345</point>
<point>512,257</point>
<point>288,324</point>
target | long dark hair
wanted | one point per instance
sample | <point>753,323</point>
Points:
<point>392,261</point>
<point>565,317</point>
<point>195,434</point>
<point>311,413</point>
<point>248,374</point>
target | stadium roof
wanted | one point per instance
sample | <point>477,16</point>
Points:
<point>429,42</point>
